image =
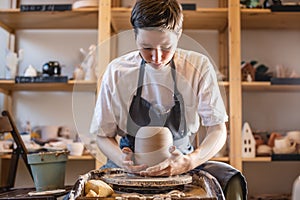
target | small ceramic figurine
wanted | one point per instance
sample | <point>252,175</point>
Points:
<point>30,71</point>
<point>12,60</point>
<point>89,63</point>
<point>79,73</point>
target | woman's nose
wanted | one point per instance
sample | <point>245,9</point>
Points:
<point>156,55</point>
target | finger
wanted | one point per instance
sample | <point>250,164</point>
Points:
<point>137,168</point>
<point>159,167</point>
<point>126,150</point>
<point>127,163</point>
<point>174,152</point>
<point>172,148</point>
<point>128,153</point>
<point>155,173</point>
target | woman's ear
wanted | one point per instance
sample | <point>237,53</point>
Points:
<point>179,34</point>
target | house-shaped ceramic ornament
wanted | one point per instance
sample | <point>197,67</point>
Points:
<point>248,142</point>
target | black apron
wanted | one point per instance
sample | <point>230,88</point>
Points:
<point>142,113</point>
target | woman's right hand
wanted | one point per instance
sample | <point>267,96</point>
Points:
<point>128,164</point>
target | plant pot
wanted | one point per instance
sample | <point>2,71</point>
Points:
<point>48,169</point>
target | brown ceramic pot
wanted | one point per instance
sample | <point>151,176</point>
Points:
<point>152,145</point>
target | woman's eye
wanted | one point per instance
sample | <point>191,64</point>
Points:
<point>147,49</point>
<point>166,48</point>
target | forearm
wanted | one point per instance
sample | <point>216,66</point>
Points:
<point>110,148</point>
<point>212,144</point>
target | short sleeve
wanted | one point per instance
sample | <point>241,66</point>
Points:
<point>211,106</point>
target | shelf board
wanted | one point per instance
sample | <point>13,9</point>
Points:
<point>223,83</point>
<point>13,19</point>
<point>83,157</point>
<point>266,19</point>
<point>7,86</point>
<point>266,86</point>
<point>257,159</point>
<point>203,18</point>
<point>221,159</point>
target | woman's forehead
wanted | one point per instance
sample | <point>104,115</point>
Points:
<point>156,36</point>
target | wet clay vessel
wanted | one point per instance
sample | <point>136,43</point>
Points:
<point>152,145</point>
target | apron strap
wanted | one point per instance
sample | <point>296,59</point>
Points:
<point>141,78</point>
<point>178,97</point>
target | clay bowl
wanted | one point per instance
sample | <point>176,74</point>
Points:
<point>152,145</point>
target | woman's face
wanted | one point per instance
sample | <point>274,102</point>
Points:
<point>156,47</point>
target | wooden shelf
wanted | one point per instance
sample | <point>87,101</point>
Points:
<point>223,83</point>
<point>8,86</point>
<point>83,157</point>
<point>221,159</point>
<point>265,19</point>
<point>257,159</point>
<point>266,86</point>
<point>204,18</point>
<point>13,19</point>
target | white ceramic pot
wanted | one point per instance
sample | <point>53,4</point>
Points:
<point>282,143</point>
<point>75,148</point>
<point>294,136</point>
<point>284,146</point>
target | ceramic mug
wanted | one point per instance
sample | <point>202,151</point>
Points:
<point>75,148</point>
<point>282,143</point>
<point>64,132</point>
<point>294,136</point>
<point>47,132</point>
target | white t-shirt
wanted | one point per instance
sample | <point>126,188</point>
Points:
<point>196,81</point>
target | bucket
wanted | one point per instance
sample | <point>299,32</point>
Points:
<point>48,169</point>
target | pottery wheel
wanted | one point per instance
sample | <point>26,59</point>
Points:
<point>128,182</point>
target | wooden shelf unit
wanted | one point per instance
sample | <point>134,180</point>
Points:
<point>257,159</point>
<point>204,18</point>
<point>14,19</point>
<point>266,19</point>
<point>83,157</point>
<point>8,86</point>
<point>267,86</point>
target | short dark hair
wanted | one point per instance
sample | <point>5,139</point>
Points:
<point>164,14</point>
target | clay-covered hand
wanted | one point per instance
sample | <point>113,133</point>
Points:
<point>176,164</point>
<point>128,164</point>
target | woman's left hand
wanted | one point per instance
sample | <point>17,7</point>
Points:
<point>176,164</point>
<point>128,164</point>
